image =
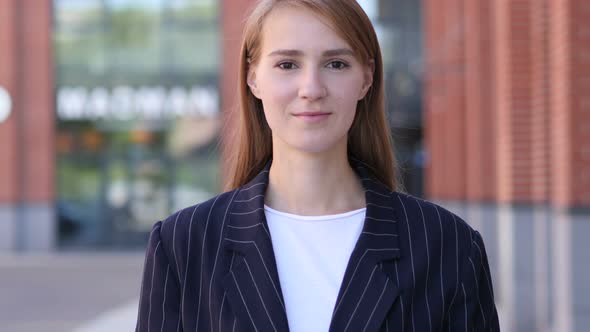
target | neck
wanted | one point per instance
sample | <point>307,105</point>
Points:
<point>313,184</point>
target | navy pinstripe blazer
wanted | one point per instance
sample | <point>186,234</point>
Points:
<point>415,267</point>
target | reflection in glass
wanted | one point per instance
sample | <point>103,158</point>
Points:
<point>137,114</point>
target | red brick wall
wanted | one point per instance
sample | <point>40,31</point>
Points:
<point>480,106</point>
<point>510,120</point>
<point>560,69</point>
<point>434,96</point>
<point>513,37</point>
<point>8,166</point>
<point>233,14</point>
<point>445,102</point>
<point>570,104</point>
<point>581,106</point>
<point>540,101</point>
<point>26,148</point>
<point>454,107</point>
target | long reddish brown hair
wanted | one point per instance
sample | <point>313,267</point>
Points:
<point>369,138</point>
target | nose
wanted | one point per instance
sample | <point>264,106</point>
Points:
<point>312,87</point>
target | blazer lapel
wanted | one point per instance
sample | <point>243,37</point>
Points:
<point>369,289</point>
<point>252,283</point>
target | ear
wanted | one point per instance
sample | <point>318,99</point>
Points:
<point>251,80</point>
<point>367,78</point>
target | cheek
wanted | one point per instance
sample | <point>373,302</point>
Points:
<point>278,92</point>
<point>276,96</point>
<point>346,97</point>
<point>349,112</point>
<point>348,89</point>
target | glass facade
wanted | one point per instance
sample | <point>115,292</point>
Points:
<point>137,114</point>
<point>399,27</point>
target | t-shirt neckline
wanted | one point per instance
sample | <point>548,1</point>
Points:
<point>317,217</point>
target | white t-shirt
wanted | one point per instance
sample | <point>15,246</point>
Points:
<point>312,253</point>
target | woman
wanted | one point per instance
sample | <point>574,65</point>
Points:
<point>314,172</point>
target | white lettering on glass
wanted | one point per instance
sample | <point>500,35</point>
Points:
<point>145,102</point>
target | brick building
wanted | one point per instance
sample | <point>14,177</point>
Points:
<point>507,125</point>
<point>27,189</point>
<point>506,108</point>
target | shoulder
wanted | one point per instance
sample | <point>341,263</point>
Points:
<point>424,216</point>
<point>181,235</point>
<point>196,219</point>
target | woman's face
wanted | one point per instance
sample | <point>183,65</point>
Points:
<point>308,80</point>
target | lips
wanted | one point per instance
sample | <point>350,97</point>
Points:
<point>312,116</point>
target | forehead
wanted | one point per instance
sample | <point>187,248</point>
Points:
<point>290,27</point>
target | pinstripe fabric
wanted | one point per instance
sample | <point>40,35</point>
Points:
<point>415,267</point>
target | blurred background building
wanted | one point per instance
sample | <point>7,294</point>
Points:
<point>115,118</point>
<point>112,114</point>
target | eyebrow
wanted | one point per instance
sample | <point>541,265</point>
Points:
<point>334,52</point>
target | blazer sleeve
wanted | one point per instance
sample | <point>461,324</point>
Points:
<point>473,307</point>
<point>159,300</point>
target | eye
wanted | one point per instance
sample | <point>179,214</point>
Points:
<point>337,64</point>
<point>287,65</point>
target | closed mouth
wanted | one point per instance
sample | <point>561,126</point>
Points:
<point>311,113</point>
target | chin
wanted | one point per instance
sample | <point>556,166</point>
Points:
<point>316,145</point>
